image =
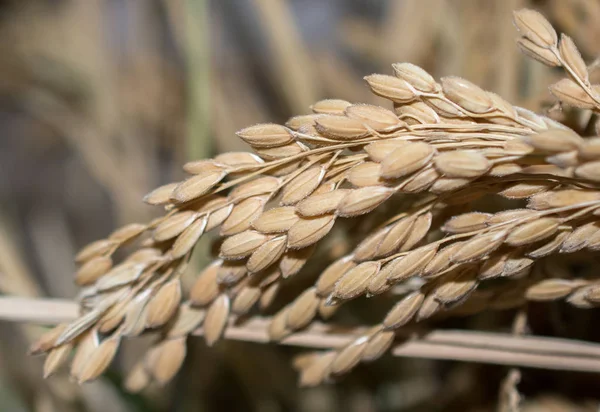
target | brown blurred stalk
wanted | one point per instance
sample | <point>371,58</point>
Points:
<point>482,347</point>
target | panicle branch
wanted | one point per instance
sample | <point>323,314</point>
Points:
<point>436,150</point>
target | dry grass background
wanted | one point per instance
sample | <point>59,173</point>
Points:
<point>103,101</point>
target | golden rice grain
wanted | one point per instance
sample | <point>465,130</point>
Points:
<point>378,151</point>
<point>200,167</point>
<point>245,300</point>
<point>168,359</point>
<point>341,127</point>
<point>319,204</point>
<point>415,76</point>
<point>99,360</point>
<point>378,344</point>
<point>174,225</point>
<point>535,27</point>
<point>392,88</point>
<point>266,135</point>
<point>238,159</point>
<point>479,246</point>
<point>355,281</point>
<point>329,277</point>
<point>444,107</point>
<point>120,275</point>
<point>555,140</point>
<point>376,117</point>
<point>348,357</point>
<point>517,147</point>
<point>276,220</point>
<point>549,289</point>
<point>379,283</point>
<point>231,272</point>
<point>403,311</point>
<point>395,236</point>
<point>206,288</point>
<point>260,186</point>
<point>216,319</point>
<point>302,310</point>
<point>307,231</point>
<point>267,254</point>
<point>429,307</point>
<point>365,174</point>
<point>466,222</point>
<point>243,215</point>
<point>86,345</point>
<point>278,326</point>
<point>450,184</point>
<point>462,163</point>
<point>217,217</point>
<point>533,231</point>
<point>549,247</point>
<point>417,112</point>
<point>186,241</point>
<point>160,195</point>
<point>128,232</point>
<point>579,238</point>
<point>511,215</point>
<point>421,181</point>
<point>363,200</point>
<point>504,169</point>
<point>466,95</point>
<point>302,185</point>
<point>137,379</point>
<point>406,160</point>
<point>293,260</point>
<point>94,249</point>
<point>164,304</point>
<point>455,287</point>
<point>541,54</point>
<point>418,231</point>
<point>524,190</point>
<point>367,249</point>
<point>318,370</point>
<point>113,317</point>
<point>91,270</point>
<point>56,358</point>
<point>330,106</point>
<point>136,315</point>
<point>242,244</point>
<point>493,266</point>
<point>186,320</point>
<point>516,266</point>
<point>441,261</point>
<point>561,198</point>
<point>196,186</point>
<point>47,341</point>
<point>268,295</point>
<point>569,92</point>
<point>410,265</point>
<point>297,122</point>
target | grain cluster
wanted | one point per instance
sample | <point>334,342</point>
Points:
<point>439,147</point>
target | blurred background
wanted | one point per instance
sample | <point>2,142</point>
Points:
<point>103,100</point>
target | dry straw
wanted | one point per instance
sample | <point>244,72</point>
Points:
<point>437,147</point>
